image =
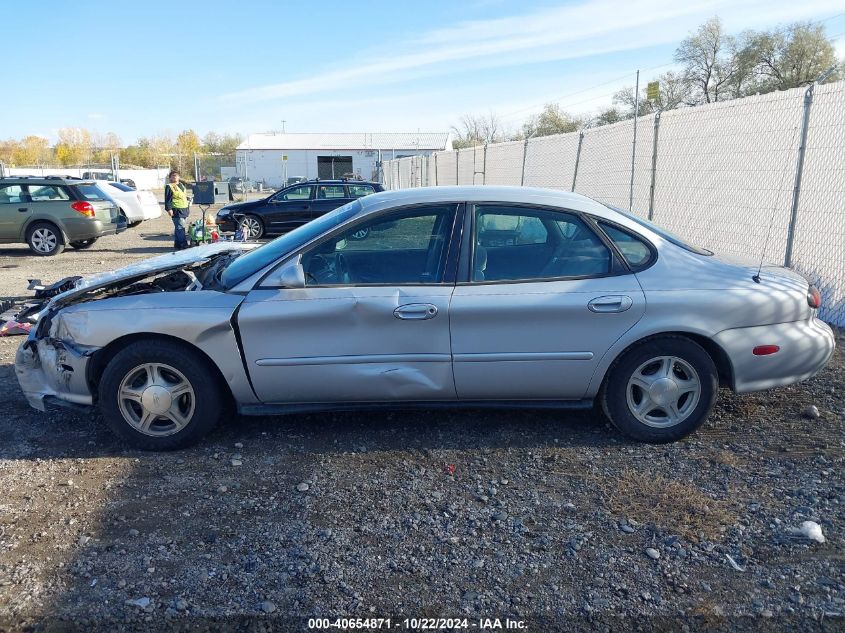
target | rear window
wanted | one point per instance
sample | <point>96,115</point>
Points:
<point>121,186</point>
<point>90,192</point>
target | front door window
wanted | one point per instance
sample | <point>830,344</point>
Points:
<point>402,248</point>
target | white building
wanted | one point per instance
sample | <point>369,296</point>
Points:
<point>277,159</point>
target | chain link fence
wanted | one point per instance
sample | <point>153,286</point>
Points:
<point>736,176</point>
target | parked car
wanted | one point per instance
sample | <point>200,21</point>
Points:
<point>586,304</point>
<point>136,206</point>
<point>49,213</point>
<point>107,176</point>
<point>293,206</point>
<point>238,185</point>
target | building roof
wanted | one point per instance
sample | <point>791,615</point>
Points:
<point>350,140</point>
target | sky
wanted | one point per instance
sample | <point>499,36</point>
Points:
<point>153,67</point>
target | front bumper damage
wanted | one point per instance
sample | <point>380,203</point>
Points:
<point>54,367</point>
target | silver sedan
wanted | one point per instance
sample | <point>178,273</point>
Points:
<point>468,296</point>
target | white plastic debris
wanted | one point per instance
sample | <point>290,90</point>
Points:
<point>809,530</point>
<point>733,563</point>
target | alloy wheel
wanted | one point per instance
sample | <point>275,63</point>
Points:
<point>156,399</point>
<point>44,240</point>
<point>663,391</point>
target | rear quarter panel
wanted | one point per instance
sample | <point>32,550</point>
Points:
<point>696,294</point>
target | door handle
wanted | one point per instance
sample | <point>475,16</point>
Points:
<point>610,303</point>
<point>23,209</point>
<point>416,311</point>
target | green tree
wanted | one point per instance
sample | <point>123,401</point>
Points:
<point>791,56</point>
<point>552,120</point>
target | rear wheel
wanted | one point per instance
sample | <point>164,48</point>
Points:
<point>254,225</point>
<point>160,395</point>
<point>44,239</point>
<point>662,390</point>
<point>83,244</point>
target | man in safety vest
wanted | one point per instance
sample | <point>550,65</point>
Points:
<point>177,204</point>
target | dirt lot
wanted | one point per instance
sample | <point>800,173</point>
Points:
<point>548,518</point>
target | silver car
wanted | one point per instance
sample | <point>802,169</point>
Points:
<point>470,296</point>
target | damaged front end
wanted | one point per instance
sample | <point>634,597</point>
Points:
<point>53,364</point>
<point>53,368</point>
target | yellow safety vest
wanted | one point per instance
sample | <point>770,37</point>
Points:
<point>180,198</point>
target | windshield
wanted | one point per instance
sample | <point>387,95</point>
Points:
<point>666,235</point>
<point>250,263</point>
<point>120,186</point>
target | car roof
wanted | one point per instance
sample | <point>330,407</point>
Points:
<point>488,193</point>
<point>66,180</point>
<point>333,181</point>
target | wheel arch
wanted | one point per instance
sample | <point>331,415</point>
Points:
<point>720,358</point>
<point>103,356</point>
<point>44,220</point>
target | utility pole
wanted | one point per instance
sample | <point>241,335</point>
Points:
<point>634,148</point>
<point>283,125</point>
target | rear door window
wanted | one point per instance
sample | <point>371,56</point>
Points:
<point>522,243</point>
<point>48,193</point>
<point>330,192</point>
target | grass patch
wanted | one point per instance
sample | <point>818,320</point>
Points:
<point>678,506</point>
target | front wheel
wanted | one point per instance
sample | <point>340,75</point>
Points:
<point>83,244</point>
<point>253,225</point>
<point>662,390</point>
<point>159,395</point>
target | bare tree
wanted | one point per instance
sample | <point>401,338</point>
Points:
<point>675,90</point>
<point>478,130</point>
<point>709,59</point>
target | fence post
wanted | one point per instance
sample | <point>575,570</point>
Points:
<point>484,167</point>
<point>435,169</point>
<point>634,145</point>
<point>653,166</point>
<point>524,155</point>
<point>457,166</point>
<point>577,158</point>
<point>799,168</point>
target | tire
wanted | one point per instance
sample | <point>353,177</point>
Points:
<point>179,370</point>
<point>256,226</point>
<point>44,239</point>
<point>682,386</point>
<point>132,225</point>
<point>83,244</point>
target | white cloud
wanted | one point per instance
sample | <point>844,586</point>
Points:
<point>569,32</point>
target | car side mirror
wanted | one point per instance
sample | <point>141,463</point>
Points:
<point>291,274</point>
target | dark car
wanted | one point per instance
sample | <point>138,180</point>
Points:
<point>293,206</point>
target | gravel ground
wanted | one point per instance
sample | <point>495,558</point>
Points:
<point>551,519</point>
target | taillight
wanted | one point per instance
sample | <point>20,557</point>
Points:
<point>814,298</point>
<point>765,350</point>
<point>85,208</point>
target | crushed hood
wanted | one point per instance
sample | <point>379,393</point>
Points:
<point>147,267</point>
